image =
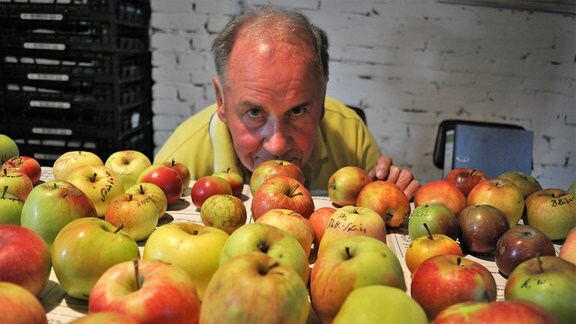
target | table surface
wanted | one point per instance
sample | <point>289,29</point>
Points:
<point>62,308</point>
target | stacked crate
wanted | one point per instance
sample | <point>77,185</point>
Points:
<point>75,75</point>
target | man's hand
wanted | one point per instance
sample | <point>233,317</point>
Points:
<point>403,178</point>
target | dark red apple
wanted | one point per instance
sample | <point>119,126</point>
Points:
<point>481,226</point>
<point>519,244</point>
<point>466,178</point>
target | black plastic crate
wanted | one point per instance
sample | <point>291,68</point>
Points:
<point>84,35</point>
<point>46,149</point>
<point>134,12</point>
<point>62,70</point>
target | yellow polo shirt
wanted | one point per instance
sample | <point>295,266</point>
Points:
<point>203,144</point>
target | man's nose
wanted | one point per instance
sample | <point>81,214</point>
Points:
<point>277,139</point>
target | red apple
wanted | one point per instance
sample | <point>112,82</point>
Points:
<point>18,183</point>
<point>18,305</point>
<point>387,199</point>
<point>24,258</point>
<point>271,168</point>
<point>465,178</point>
<point>507,311</point>
<point>568,249</point>
<point>166,178</point>
<point>282,192</point>
<point>502,194</point>
<point>481,226</point>
<point>445,280</point>
<point>208,186</point>
<point>150,291</point>
<point>319,220</point>
<point>443,192</point>
<point>293,223</point>
<point>553,211</point>
<point>182,170</point>
<point>345,184</point>
<point>519,244</point>
<point>425,247</point>
<point>234,179</point>
<point>25,164</point>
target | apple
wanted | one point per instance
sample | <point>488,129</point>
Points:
<point>347,264</point>
<point>439,219</point>
<point>345,184</point>
<point>67,162</point>
<point>268,239</point>
<point>553,211</point>
<point>225,212</point>
<point>507,311</point>
<point>502,194</point>
<point>18,183</point>
<point>293,223</point>
<point>182,170</point>
<point>53,204</point>
<point>127,164</point>
<point>193,247</point>
<point>425,247</point>
<point>149,291</point>
<point>465,178</point>
<point>525,182</point>
<point>99,183</point>
<point>18,305</point>
<point>8,148</point>
<point>547,281</point>
<point>154,192</point>
<point>352,221</point>
<point>84,249</point>
<point>387,199</point>
<point>319,220</point>
<point>208,186</point>
<point>137,214</point>
<point>104,317</point>
<point>380,304</point>
<point>481,226</point>
<point>234,179</point>
<point>166,178</point>
<point>255,288</point>
<point>568,249</point>
<point>282,192</point>
<point>445,280</point>
<point>272,168</point>
<point>27,165</point>
<point>519,244</point>
<point>443,192</point>
<point>24,258</point>
<point>11,207</point>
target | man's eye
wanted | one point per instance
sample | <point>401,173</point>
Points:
<point>254,112</point>
<point>298,111</point>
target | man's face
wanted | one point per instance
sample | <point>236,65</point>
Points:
<point>272,102</point>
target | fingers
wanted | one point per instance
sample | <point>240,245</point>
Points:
<point>411,189</point>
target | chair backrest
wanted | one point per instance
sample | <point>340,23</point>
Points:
<point>448,124</point>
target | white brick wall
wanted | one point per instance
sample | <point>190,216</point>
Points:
<point>409,64</point>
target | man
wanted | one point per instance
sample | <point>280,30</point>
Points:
<point>272,67</point>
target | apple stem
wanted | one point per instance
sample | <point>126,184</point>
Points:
<point>458,261</point>
<point>137,274</point>
<point>93,177</point>
<point>173,162</point>
<point>141,189</point>
<point>268,268</point>
<point>348,254</point>
<point>292,192</point>
<point>119,228</point>
<point>539,259</point>
<point>429,233</point>
<point>5,171</point>
<point>4,191</point>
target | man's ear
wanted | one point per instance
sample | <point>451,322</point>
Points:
<point>219,98</point>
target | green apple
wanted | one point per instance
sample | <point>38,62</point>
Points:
<point>277,243</point>
<point>351,221</point>
<point>347,264</point>
<point>53,204</point>
<point>525,182</point>
<point>18,305</point>
<point>71,160</point>
<point>8,148</point>
<point>293,223</point>
<point>84,249</point>
<point>99,183</point>
<point>552,211</point>
<point>439,219</point>
<point>136,214</point>
<point>154,192</point>
<point>18,183</point>
<point>194,247</point>
<point>345,184</point>
<point>10,207</point>
<point>548,281</point>
<point>226,212</point>
<point>128,164</point>
<point>255,288</point>
<point>380,304</point>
